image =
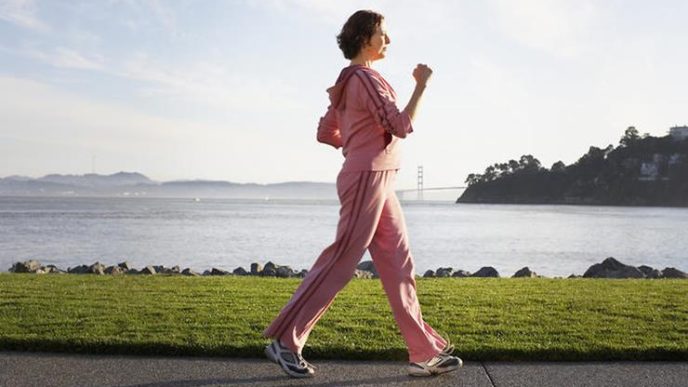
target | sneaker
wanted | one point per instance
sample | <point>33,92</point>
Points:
<point>292,363</point>
<point>437,365</point>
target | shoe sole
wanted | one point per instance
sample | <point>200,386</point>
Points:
<point>438,372</point>
<point>273,357</point>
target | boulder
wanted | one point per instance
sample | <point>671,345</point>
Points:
<point>444,272</point>
<point>650,272</point>
<point>216,271</point>
<point>611,268</point>
<point>53,269</point>
<point>256,268</point>
<point>368,266</point>
<point>486,271</point>
<point>302,273</point>
<point>81,269</point>
<point>149,270</point>
<point>461,273</point>
<point>362,274</point>
<point>240,271</point>
<point>190,272</point>
<point>284,272</point>
<point>671,272</point>
<point>132,271</point>
<point>574,276</point>
<point>525,272</point>
<point>270,270</point>
<point>429,274</point>
<point>30,266</point>
<point>114,270</point>
<point>167,270</point>
<point>207,272</point>
<point>97,268</point>
<point>125,265</point>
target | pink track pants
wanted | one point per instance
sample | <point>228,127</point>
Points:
<point>370,218</point>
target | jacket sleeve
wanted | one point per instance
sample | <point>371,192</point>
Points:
<point>328,129</point>
<point>379,101</point>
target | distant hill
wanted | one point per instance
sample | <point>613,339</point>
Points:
<point>640,171</point>
<point>137,184</point>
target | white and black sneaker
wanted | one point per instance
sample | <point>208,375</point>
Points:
<point>291,362</point>
<point>437,365</point>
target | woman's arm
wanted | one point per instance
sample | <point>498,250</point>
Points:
<point>328,129</point>
<point>422,74</point>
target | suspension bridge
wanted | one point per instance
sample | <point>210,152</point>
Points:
<point>420,189</point>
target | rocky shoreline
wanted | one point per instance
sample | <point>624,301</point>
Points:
<point>609,268</point>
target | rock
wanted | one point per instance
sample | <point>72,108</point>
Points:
<point>167,270</point>
<point>53,269</point>
<point>207,272</point>
<point>149,270</point>
<point>190,272</point>
<point>671,272</point>
<point>302,273</point>
<point>486,271</point>
<point>525,272</point>
<point>97,268</point>
<point>650,272</point>
<point>574,276</point>
<point>256,268</point>
<point>444,272</point>
<point>429,274</point>
<point>363,274</point>
<point>284,272</point>
<point>29,266</point>
<point>368,266</point>
<point>125,265</point>
<point>81,269</point>
<point>132,271</point>
<point>240,271</point>
<point>114,270</point>
<point>270,270</point>
<point>611,268</point>
<point>216,271</point>
<point>461,273</point>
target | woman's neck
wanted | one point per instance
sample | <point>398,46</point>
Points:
<point>360,60</point>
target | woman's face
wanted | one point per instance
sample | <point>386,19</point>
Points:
<point>377,46</point>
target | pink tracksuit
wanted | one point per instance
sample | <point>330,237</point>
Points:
<point>364,120</point>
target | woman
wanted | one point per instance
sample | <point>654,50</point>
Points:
<point>364,120</point>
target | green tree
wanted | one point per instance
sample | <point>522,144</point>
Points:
<point>559,166</point>
<point>630,136</point>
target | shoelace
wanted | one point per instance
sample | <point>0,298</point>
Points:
<point>304,362</point>
<point>448,349</point>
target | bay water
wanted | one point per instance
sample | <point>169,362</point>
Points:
<point>551,240</point>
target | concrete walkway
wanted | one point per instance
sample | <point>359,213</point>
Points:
<point>44,369</point>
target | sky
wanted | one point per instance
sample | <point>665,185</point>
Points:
<point>233,90</point>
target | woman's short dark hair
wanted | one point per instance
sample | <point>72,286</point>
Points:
<point>357,31</point>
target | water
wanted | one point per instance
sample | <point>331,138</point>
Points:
<point>551,240</point>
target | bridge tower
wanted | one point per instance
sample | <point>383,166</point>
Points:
<point>420,182</point>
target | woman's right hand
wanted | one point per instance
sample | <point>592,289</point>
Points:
<point>422,73</point>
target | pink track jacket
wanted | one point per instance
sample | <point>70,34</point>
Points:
<point>364,120</point>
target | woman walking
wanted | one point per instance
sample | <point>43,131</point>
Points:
<point>364,120</point>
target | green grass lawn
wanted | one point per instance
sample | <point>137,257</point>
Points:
<point>487,319</point>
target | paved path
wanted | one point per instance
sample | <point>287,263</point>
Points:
<point>43,369</point>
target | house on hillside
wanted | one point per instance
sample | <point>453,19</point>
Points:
<point>679,133</point>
